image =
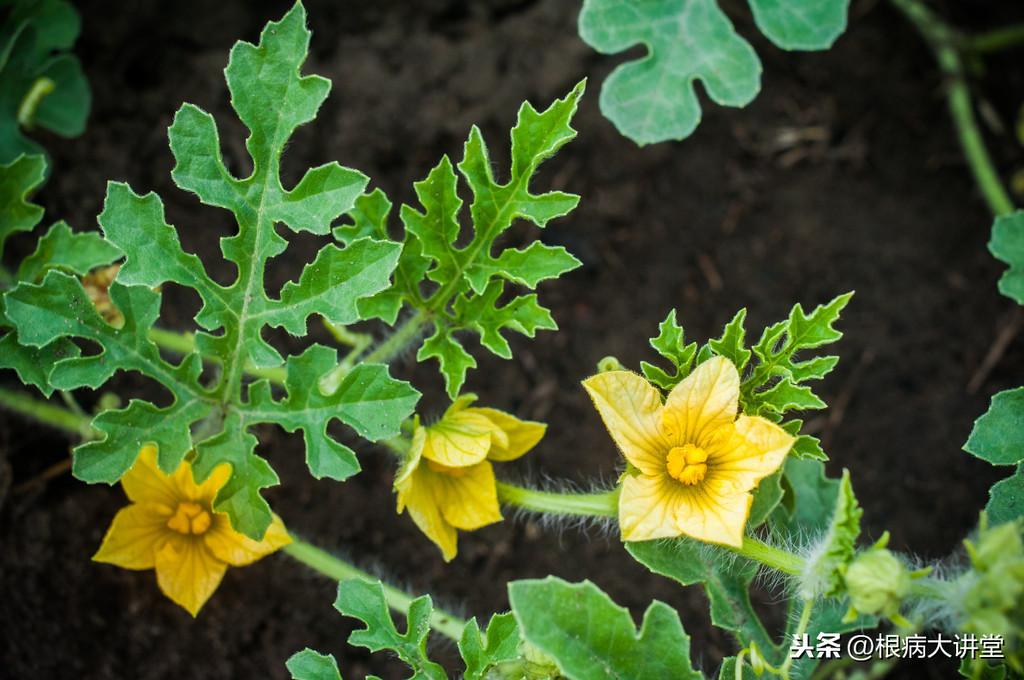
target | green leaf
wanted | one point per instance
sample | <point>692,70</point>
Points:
<point>671,344</point>
<point>61,248</point>
<point>500,644</point>
<point>311,665</point>
<point>805,445</point>
<point>468,285</point>
<point>591,637</point>
<point>998,435</point>
<point>812,490</point>
<point>41,85</point>
<point>33,364</point>
<point>1006,498</point>
<point>824,573</point>
<point>18,179</point>
<point>1007,244</point>
<point>365,601</point>
<point>272,99</point>
<point>654,99</point>
<point>726,583</point>
<point>801,24</point>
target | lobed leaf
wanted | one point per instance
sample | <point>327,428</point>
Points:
<point>1006,498</point>
<point>998,435</point>
<point>365,601</point>
<point>825,569</point>
<point>214,420</point>
<point>311,665</point>
<point>654,98</point>
<point>498,647</point>
<point>590,637</point>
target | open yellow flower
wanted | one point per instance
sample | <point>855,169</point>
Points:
<point>171,526</point>
<point>693,462</point>
<point>447,483</point>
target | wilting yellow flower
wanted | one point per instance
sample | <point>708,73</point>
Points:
<point>448,483</point>
<point>693,462</point>
<point>171,526</point>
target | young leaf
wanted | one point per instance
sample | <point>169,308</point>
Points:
<point>311,665</point>
<point>654,99</point>
<point>824,573</point>
<point>1006,498</point>
<point>589,636</point>
<point>499,645</point>
<point>468,285</point>
<point>671,344</point>
<point>998,435</point>
<point>40,82</point>
<point>272,99</point>
<point>365,601</point>
<point>18,179</point>
<point>1007,244</point>
<point>726,583</point>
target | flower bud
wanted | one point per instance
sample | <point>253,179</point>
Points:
<point>877,582</point>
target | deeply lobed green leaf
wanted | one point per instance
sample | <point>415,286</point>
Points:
<point>272,98</point>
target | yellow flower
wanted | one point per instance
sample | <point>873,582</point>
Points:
<point>693,462</point>
<point>171,526</point>
<point>448,483</point>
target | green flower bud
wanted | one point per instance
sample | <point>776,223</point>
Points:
<point>877,582</point>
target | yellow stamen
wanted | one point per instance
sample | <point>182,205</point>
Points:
<point>688,463</point>
<point>190,518</point>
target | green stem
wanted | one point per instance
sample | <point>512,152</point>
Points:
<point>601,504</point>
<point>801,628</point>
<point>46,413</point>
<point>33,98</point>
<point>382,354</point>
<point>339,570</point>
<point>943,41</point>
<point>770,556</point>
<point>994,41</point>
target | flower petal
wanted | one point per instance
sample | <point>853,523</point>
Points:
<point>238,550</point>
<point>207,491</point>
<point>715,513</point>
<point>648,505</point>
<point>416,493</point>
<point>702,403</point>
<point>459,439</point>
<point>748,452</point>
<point>521,435</point>
<point>631,410</point>
<point>134,536</point>
<point>468,498</point>
<point>187,572</point>
<point>145,482</point>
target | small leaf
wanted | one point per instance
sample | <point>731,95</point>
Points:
<point>732,343</point>
<point>998,435</point>
<point>1006,498</point>
<point>801,24</point>
<point>824,575</point>
<point>671,344</point>
<point>589,636</point>
<point>311,665</point>
<point>61,248</point>
<point>18,179</point>
<point>365,601</point>
<point>1007,244</point>
<point>483,652</point>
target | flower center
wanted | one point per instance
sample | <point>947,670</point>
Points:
<point>688,463</point>
<point>190,518</point>
<point>445,470</point>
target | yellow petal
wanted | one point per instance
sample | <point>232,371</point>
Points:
<point>468,497</point>
<point>184,480</point>
<point>648,506</point>
<point>659,507</point>
<point>521,435</point>
<point>702,403</point>
<point>748,452</point>
<point>145,482</point>
<point>415,455</point>
<point>416,493</point>
<point>631,410</point>
<point>460,439</point>
<point>238,550</point>
<point>187,572</point>
<point>134,536</point>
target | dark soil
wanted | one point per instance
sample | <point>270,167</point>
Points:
<point>844,174</point>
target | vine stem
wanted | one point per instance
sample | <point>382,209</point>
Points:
<point>335,568</point>
<point>46,413</point>
<point>605,504</point>
<point>999,39</point>
<point>943,41</point>
<point>403,336</point>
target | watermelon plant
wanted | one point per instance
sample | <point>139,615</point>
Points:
<point>721,484</point>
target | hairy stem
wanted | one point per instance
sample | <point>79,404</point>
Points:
<point>769,556</point>
<point>944,40</point>
<point>601,504</point>
<point>327,564</point>
<point>46,413</point>
<point>382,354</point>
